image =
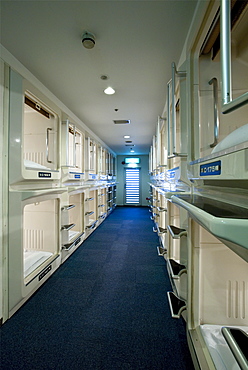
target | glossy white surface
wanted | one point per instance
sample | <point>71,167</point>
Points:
<point>239,136</point>
<point>230,229</point>
<point>218,347</point>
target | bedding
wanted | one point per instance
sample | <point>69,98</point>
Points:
<point>218,347</point>
<point>34,165</point>
<point>33,259</point>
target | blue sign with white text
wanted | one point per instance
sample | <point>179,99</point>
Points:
<point>210,169</point>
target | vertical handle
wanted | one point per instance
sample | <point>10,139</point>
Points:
<point>173,108</point>
<point>67,142</point>
<point>172,82</point>
<point>74,146</point>
<point>168,117</point>
<point>226,51</point>
<point>47,145</point>
<point>66,123</point>
<point>214,82</point>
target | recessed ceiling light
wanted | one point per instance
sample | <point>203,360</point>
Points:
<point>127,137</point>
<point>109,91</point>
<point>131,151</point>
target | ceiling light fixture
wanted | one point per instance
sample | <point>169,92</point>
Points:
<point>88,40</point>
<point>127,137</point>
<point>109,91</point>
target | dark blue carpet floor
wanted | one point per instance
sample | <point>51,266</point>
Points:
<point>105,308</point>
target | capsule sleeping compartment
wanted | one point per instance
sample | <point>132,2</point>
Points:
<point>34,241</point>
<point>33,134</point>
<point>91,152</point>
<point>102,155</point>
<point>72,149</point>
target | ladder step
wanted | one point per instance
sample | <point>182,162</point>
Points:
<point>176,268</point>
<point>161,209</point>
<point>177,305</point>
<point>161,251</point>
<point>161,230</point>
<point>78,240</point>
<point>176,232</point>
<point>67,227</point>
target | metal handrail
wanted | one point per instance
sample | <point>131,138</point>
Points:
<point>214,82</point>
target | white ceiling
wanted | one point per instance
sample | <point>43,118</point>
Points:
<point>136,41</point>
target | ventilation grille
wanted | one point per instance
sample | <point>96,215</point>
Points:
<point>236,300</point>
<point>34,239</point>
<point>122,121</point>
<point>37,157</point>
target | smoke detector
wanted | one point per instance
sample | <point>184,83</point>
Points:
<point>88,40</point>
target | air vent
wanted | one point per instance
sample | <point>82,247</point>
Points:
<point>122,121</point>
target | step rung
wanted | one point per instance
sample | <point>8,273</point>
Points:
<point>161,251</point>
<point>68,227</point>
<point>176,232</point>
<point>78,240</point>
<point>92,226</point>
<point>66,208</point>
<point>89,213</point>
<point>161,209</point>
<point>161,230</point>
<point>176,268</point>
<point>177,305</point>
